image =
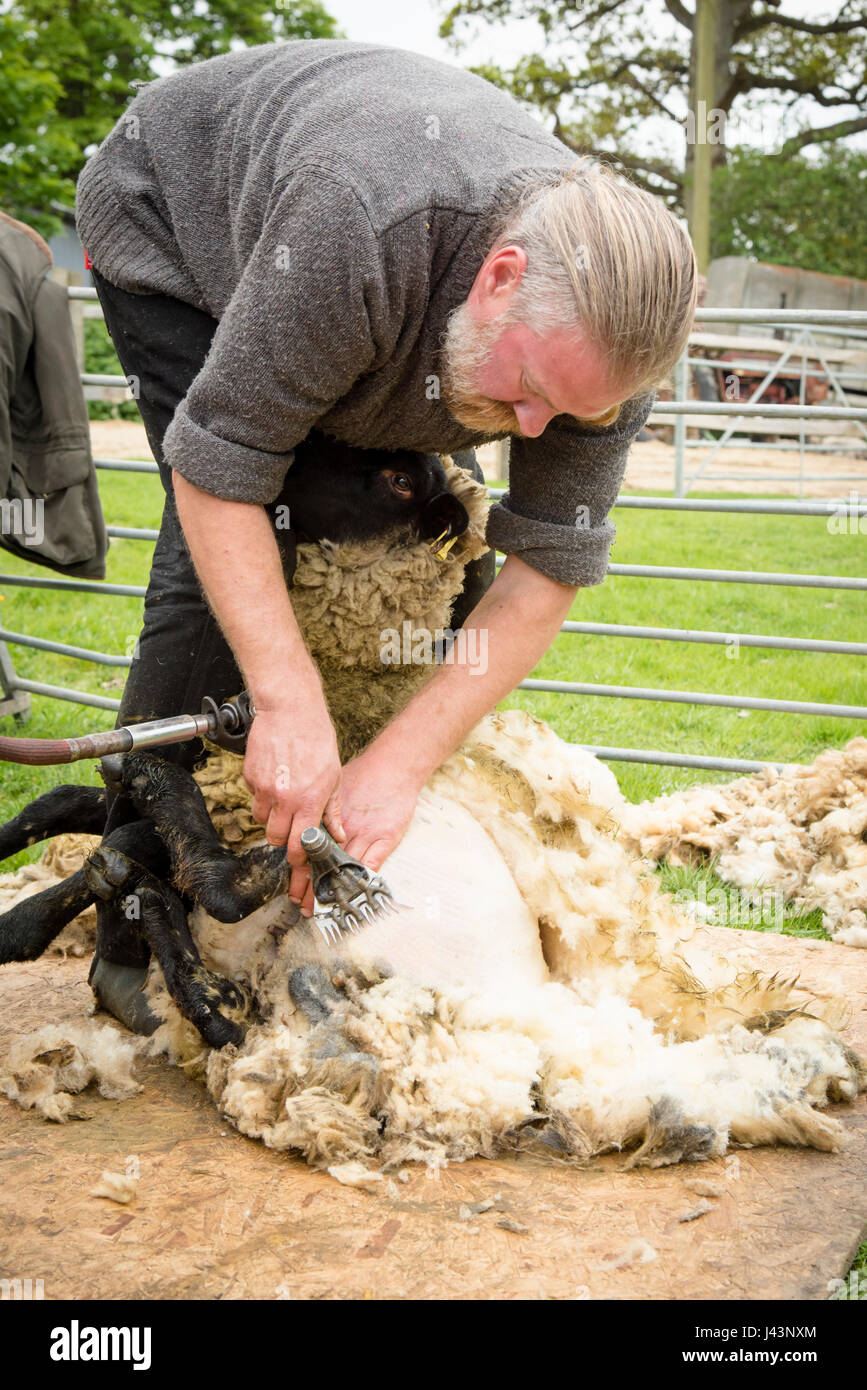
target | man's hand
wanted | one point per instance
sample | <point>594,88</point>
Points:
<point>379,797</point>
<point>292,767</point>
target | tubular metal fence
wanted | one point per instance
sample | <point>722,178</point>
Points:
<point>16,687</point>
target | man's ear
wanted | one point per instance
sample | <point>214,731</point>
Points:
<point>443,514</point>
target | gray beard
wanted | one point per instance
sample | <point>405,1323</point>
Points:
<point>466,351</point>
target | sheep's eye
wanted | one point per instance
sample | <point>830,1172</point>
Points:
<point>399,483</point>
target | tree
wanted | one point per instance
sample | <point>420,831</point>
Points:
<point>607,66</point>
<point>73,67</point>
<point>791,211</point>
<point>34,152</point>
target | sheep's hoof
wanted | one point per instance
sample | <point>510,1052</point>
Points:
<point>111,772</point>
<point>221,1009</point>
<point>108,870</point>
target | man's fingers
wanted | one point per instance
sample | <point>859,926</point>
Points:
<point>331,817</point>
<point>299,883</point>
<point>377,853</point>
<point>301,821</point>
<point>370,852</point>
<point>277,825</point>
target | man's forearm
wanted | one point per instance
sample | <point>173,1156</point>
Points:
<point>238,564</point>
<point>521,614</point>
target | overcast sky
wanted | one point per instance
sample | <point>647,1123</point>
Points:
<point>414,24</point>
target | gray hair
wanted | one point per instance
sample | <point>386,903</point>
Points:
<point>606,257</point>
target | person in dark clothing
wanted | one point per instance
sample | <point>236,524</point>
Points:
<point>49,500</point>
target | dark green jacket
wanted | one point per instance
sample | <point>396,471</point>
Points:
<point>49,502</point>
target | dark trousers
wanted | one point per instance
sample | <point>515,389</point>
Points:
<point>181,654</point>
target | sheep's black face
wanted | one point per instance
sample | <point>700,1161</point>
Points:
<point>337,493</point>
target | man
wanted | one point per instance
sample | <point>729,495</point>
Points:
<point>383,247</point>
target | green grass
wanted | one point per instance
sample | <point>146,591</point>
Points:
<point>855,1284</point>
<point>732,908</point>
<point>769,543</point>
<point>106,624</point>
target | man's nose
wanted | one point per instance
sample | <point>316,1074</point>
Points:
<point>533,418</point>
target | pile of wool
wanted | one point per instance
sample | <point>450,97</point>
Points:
<point>537,991</point>
<point>45,1070</point>
<point>801,832</point>
<point>61,857</point>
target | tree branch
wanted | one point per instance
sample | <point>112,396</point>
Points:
<point>802,26</point>
<point>585,20</point>
<point>654,100</point>
<point>750,81</point>
<point>680,13</point>
<point>820,134</point>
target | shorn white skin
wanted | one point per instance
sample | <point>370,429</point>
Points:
<point>292,765</point>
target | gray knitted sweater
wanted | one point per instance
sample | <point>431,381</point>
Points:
<point>330,203</point>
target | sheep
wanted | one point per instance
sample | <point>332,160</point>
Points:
<point>539,992</point>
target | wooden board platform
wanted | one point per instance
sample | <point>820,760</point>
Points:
<point>220,1217</point>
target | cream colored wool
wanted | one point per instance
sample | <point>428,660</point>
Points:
<point>116,1187</point>
<point>46,1069</point>
<point>628,1034</point>
<point>62,856</point>
<point>635,1035</point>
<point>801,833</point>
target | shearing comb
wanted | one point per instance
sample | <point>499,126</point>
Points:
<point>347,894</point>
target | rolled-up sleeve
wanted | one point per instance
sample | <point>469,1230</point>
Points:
<point>293,339</point>
<point>562,485</point>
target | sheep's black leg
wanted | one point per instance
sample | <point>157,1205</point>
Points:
<point>228,886</point>
<point>29,927</point>
<point>66,808</point>
<point>219,1008</point>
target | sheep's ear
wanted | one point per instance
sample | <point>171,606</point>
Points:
<point>443,516</point>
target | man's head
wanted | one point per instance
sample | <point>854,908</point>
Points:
<point>585,299</point>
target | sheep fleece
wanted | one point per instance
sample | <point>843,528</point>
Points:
<point>590,1014</point>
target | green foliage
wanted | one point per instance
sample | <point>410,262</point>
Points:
<point>34,151</point>
<point>68,69</point>
<point>794,211</point>
<point>100,356</point>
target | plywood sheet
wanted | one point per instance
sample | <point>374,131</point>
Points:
<point>220,1217</point>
